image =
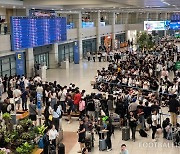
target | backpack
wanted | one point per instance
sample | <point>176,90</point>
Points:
<point>149,120</point>
<point>142,133</point>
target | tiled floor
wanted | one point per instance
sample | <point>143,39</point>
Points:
<point>81,75</point>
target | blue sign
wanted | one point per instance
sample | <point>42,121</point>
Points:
<point>20,63</point>
<point>87,24</point>
<point>76,53</point>
<point>39,96</point>
<point>29,32</point>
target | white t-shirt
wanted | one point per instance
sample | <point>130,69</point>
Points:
<point>53,134</point>
<point>17,93</point>
<point>154,118</point>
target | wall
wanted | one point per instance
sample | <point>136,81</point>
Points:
<point>138,27</point>
<point>2,11</point>
<point>106,30</point>
<point>88,32</point>
<point>5,43</point>
<point>72,34</point>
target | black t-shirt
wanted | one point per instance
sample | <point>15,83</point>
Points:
<point>110,129</point>
<point>90,105</point>
<point>147,111</point>
<point>173,105</point>
<point>155,107</point>
<point>81,127</point>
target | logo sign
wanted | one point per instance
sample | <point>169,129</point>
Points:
<point>20,63</point>
<point>177,65</point>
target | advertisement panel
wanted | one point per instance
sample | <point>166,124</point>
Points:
<point>154,25</point>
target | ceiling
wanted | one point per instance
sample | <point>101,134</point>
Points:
<point>87,5</point>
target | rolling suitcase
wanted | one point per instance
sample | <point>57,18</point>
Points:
<point>61,148</point>
<point>125,133</point>
<point>102,143</point>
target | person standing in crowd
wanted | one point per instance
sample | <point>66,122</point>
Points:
<point>94,57</point>
<point>17,96</point>
<point>174,106</point>
<point>77,99</point>
<point>133,124</point>
<point>110,130</point>
<point>154,124</point>
<point>33,111</point>
<point>89,56</point>
<point>56,116</point>
<point>69,107</point>
<point>81,135</point>
<point>140,114</point>
<point>123,149</point>
<point>62,96</point>
<point>25,96</point>
<point>5,79</point>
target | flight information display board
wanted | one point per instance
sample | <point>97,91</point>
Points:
<point>28,32</point>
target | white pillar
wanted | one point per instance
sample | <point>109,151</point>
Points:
<point>53,56</point>
<point>112,22</point>
<point>98,26</point>
<point>79,33</point>
<point>29,62</point>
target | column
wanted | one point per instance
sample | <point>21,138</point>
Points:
<point>53,56</point>
<point>97,21</point>
<point>29,62</point>
<point>112,22</point>
<point>78,21</point>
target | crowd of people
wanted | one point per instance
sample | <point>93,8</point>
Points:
<point>132,91</point>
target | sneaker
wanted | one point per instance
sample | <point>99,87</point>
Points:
<point>154,140</point>
<point>69,122</point>
<point>79,151</point>
<point>109,150</point>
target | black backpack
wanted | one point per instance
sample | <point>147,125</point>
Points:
<point>142,133</point>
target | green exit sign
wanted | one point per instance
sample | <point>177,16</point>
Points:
<point>178,65</point>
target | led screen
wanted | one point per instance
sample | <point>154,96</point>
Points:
<point>28,32</point>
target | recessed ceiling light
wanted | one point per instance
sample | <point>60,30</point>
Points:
<point>24,7</point>
<point>33,8</point>
<point>61,9</point>
<point>14,7</point>
<point>82,8</point>
<point>2,6</point>
<point>52,9</point>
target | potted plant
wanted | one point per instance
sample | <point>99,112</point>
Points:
<point>7,119</point>
<point>25,148</point>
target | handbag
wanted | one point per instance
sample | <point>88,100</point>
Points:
<point>50,117</point>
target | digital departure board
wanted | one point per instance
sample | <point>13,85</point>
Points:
<point>28,32</point>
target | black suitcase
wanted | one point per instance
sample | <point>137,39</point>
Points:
<point>61,148</point>
<point>125,133</point>
<point>52,149</point>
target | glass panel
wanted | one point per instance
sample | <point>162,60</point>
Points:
<point>6,72</point>
<point>13,72</point>
<point>5,60</point>
<point>13,65</point>
<point>5,67</point>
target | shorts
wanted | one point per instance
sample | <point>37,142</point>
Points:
<point>81,139</point>
<point>91,113</point>
<point>69,111</point>
<point>33,117</point>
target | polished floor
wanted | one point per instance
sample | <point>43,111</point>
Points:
<point>81,75</point>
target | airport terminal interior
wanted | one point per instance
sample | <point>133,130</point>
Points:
<point>89,76</point>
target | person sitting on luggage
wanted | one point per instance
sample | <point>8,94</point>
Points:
<point>123,149</point>
<point>133,124</point>
<point>109,130</point>
<point>81,133</point>
<point>165,123</point>
<point>53,134</point>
